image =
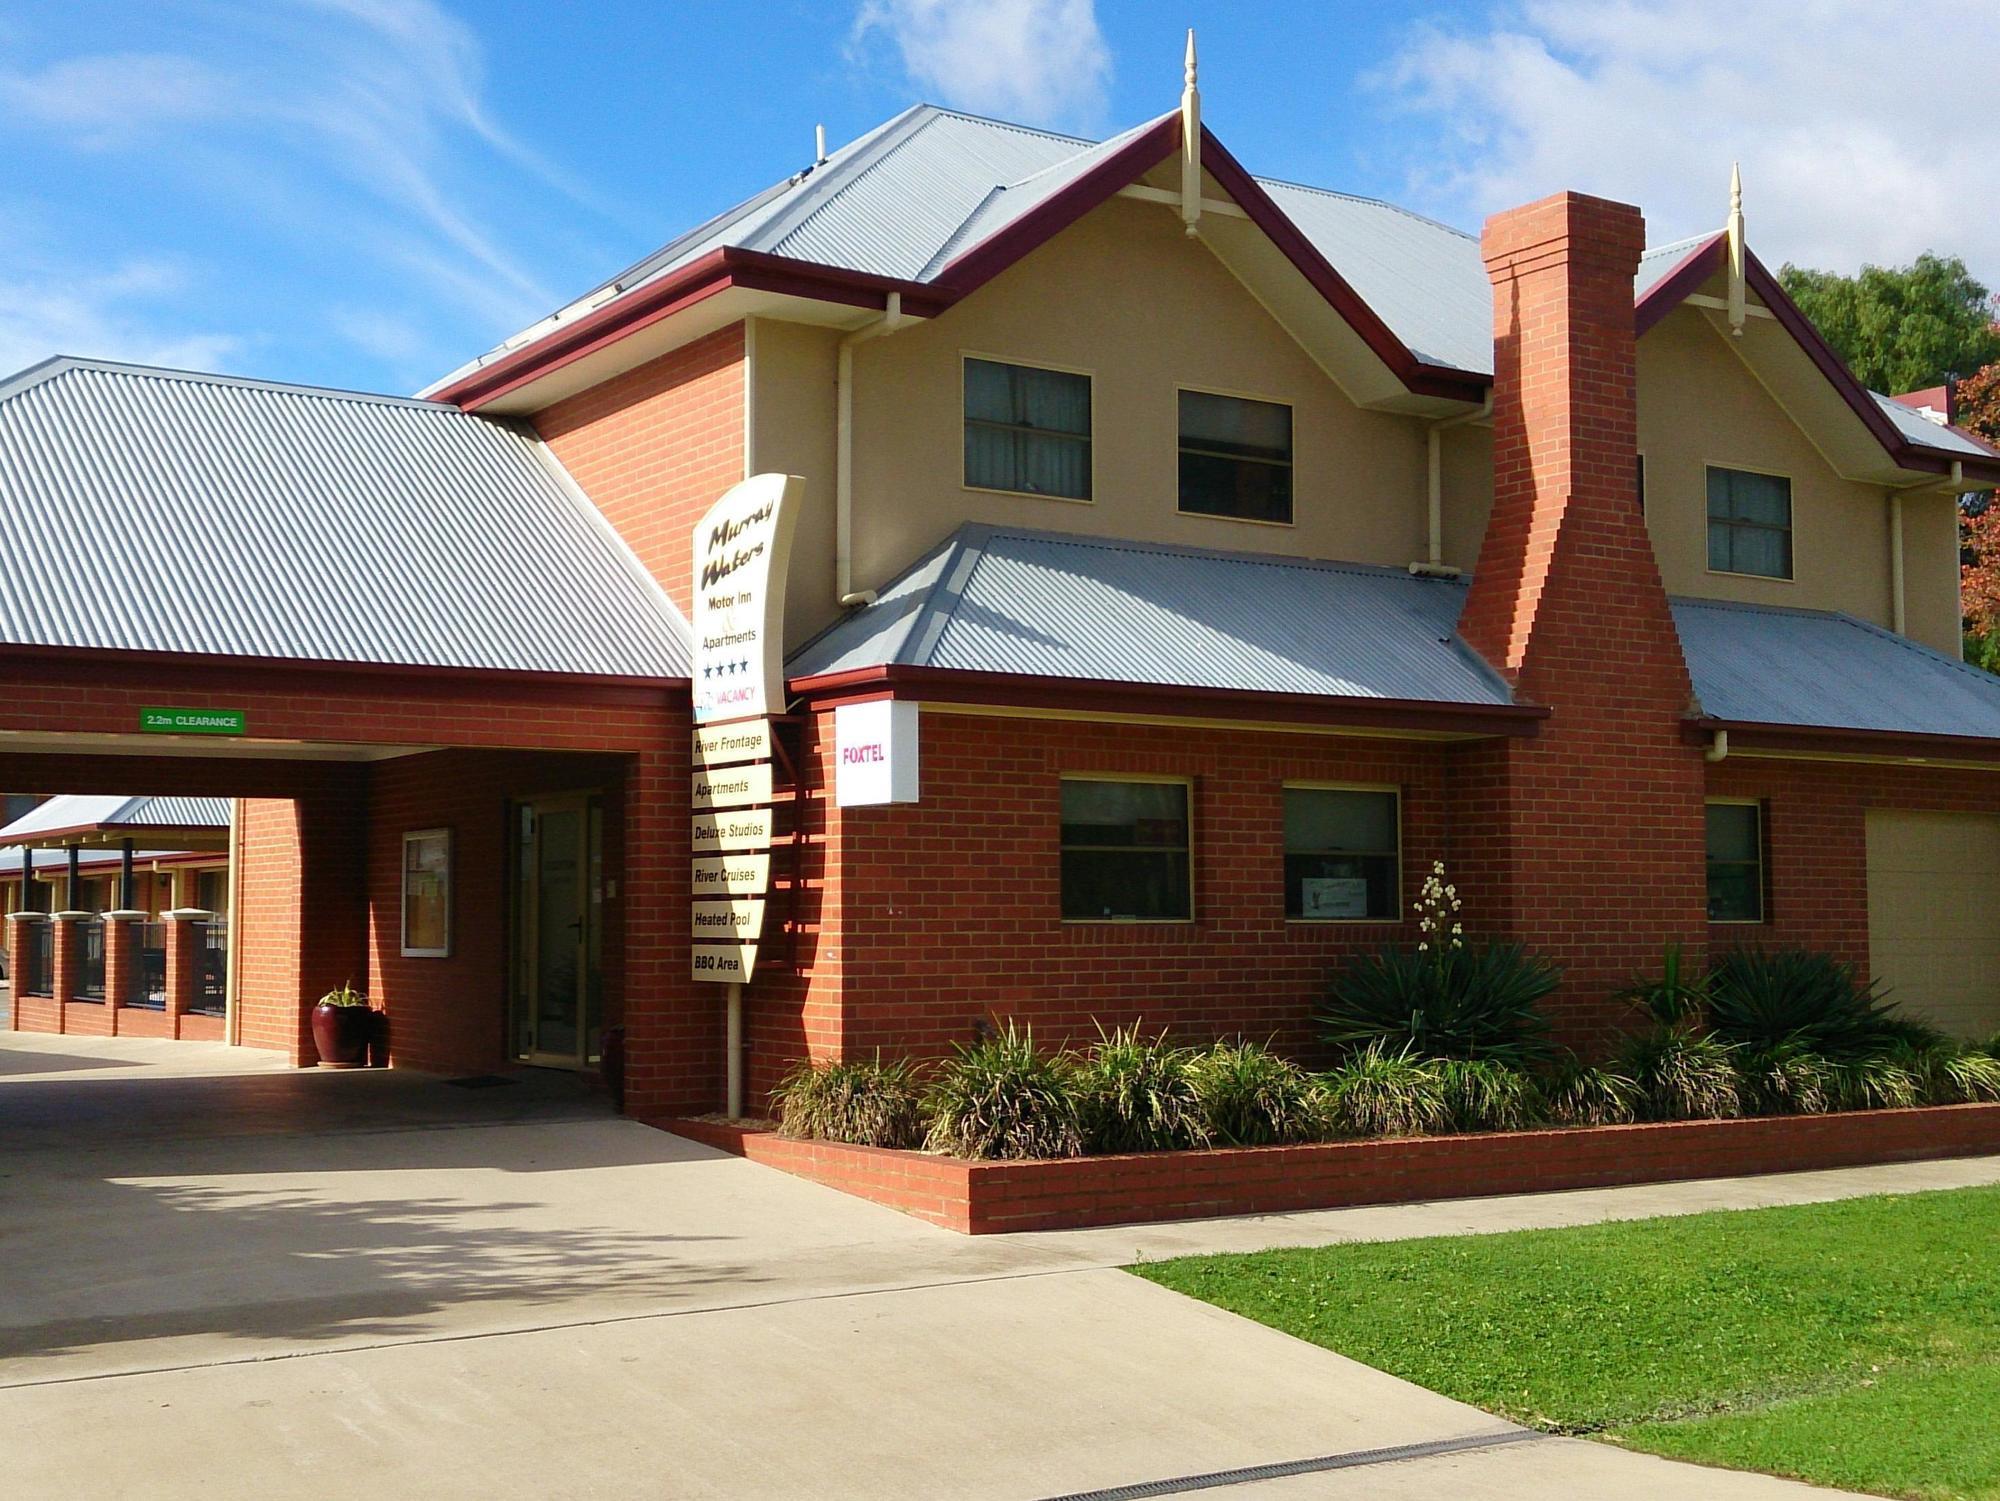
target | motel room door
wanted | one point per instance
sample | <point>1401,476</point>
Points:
<point>558,930</point>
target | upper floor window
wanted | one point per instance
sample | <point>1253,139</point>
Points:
<point>1027,430</point>
<point>1342,854</point>
<point>1236,457</point>
<point>1749,523</point>
<point>1125,850</point>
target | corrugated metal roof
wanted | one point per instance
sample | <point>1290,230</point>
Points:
<point>1049,604</point>
<point>1758,664</point>
<point>92,860</point>
<point>1918,428</point>
<point>164,511</point>
<point>115,813</point>
<point>1656,263</point>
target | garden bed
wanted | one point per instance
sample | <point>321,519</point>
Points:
<point>986,1197</point>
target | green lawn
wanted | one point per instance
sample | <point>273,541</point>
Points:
<point>1855,1344</point>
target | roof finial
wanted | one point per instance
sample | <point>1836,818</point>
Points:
<point>1190,144</point>
<point>1738,253</point>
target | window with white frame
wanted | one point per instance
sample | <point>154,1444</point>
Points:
<point>1126,852</point>
<point>1749,523</point>
<point>1236,457</point>
<point>1735,862</point>
<point>1027,430</point>
<point>427,894</point>
<point>1343,854</point>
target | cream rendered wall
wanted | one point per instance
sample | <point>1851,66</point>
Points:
<point>1700,405</point>
<point>1127,297</point>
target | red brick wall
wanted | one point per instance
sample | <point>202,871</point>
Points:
<point>1817,841</point>
<point>946,911</point>
<point>654,447</point>
<point>1591,833</point>
<point>300,909</point>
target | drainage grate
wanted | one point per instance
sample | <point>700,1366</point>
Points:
<point>481,1081</point>
<point>1355,1459</point>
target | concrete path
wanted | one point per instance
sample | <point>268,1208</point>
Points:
<point>219,1278</point>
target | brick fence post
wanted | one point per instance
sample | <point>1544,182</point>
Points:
<point>20,928</point>
<point>121,961</point>
<point>66,960</point>
<point>183,963</point>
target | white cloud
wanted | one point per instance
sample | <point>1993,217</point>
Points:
<point>115,94</point>
<point>1855,122</point>
<point>1036,61</point>
<point>105,315</point>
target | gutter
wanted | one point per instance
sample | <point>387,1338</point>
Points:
<point>1434,565</point>
<point>1750,737</point>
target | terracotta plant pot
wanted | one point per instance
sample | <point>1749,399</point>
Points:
<point>340,1035</point>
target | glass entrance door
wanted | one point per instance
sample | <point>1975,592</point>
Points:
<point>557,931</point>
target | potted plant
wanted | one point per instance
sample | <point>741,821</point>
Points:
<point>341,1025</point>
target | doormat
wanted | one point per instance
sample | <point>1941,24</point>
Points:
<point>481,1081</point>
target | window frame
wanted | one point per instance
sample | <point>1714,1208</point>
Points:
<point>410,837</point>
<point>965,357</point>
<point>1152,779</point>
<point>1763,862</point>
<point>1791,529</point>
<point>1291,412</point>
<point>1395,791</point>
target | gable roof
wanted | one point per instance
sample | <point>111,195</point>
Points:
<point>164,511</point>
<point>1014,604</point>
<point>74,814</point>
<point>1770,667</point>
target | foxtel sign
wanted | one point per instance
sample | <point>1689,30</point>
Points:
<point>742,547</point>
<point>875,753</point>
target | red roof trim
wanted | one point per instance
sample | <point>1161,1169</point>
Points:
<point>1804,737</point>
<point>1249,194</point>
<point>1093,695</point>
<point>730,267</point>
<point>1706,259</point>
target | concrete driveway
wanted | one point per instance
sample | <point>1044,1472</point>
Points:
<point>223,1279</point>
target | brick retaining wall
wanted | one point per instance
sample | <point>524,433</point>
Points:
<point>979,1198</point>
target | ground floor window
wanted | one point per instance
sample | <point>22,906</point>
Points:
<point>1125,850</point>
<point>427,894</point>
<point>1343,858</point>
<point>1735,862</point>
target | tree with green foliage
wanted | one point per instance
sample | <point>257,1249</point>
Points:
<point>1979,528</point>
<point>1902,328</point>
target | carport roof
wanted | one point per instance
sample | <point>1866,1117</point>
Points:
<point>117,816</point>
<point>165,511</point>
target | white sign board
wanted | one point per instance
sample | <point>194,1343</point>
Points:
<point>745,829</point>
<point>737,921</point>
<point>875,753</point>
<point>741,548</point>
<point>733,786</point>
<point>729,744</point>
<point>1333,896</point>
<point>732,875</point>
<point>731,963</point>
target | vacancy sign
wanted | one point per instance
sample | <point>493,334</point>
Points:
<point>741,551</point>
<point>875,753</point>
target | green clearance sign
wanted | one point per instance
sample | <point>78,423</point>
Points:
<point>191,721</point>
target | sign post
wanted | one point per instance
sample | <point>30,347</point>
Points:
<point>741,553</point>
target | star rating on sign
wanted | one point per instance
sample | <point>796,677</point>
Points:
<point>726,669</point>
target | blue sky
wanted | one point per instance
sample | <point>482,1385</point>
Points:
<point>366,192</point>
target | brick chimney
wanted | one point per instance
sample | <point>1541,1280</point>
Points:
<point>1589,836</point>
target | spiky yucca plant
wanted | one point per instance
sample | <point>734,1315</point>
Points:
<point>1796,996</point>
<point>1682,1075</point>
<point>1002,1097</point>
<point>866,1103</point>
<point>1136,1094</point>
<point>1385,1091</point>
<point>1250,1097</point>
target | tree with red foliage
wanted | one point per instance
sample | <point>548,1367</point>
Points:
<point>1978,404</point>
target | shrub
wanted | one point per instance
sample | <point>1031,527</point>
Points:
<point>1796,997</point>
<point>1948,1074</point>
<point>1004,1098</point>
<point>1682,1075</point>
<point>1990,1047</point>
<point>1582,1094</point>
<point>872,1104</point>
<point>1788,1080</point>
<point>1443,1002</point>
<point>1380,1092</point>
<point>1133,1095</point>
<point>1874,1081</point>
<point>1678,995</point>
<point>1484,1095</point>
<point>1251,1097</point>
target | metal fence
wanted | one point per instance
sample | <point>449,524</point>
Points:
<point>211,968</point>
<point>90,960</point>
<point>38,959</point>
<point>149,973</point>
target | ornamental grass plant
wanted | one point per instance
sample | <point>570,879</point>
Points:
<point>1003,1097</point>
<point>1251,1097</point>
<point>1138,1094</point>
<point>1385,1091</point>
<point>864,1103</point>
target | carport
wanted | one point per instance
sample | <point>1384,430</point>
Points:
<point>448,704</point>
